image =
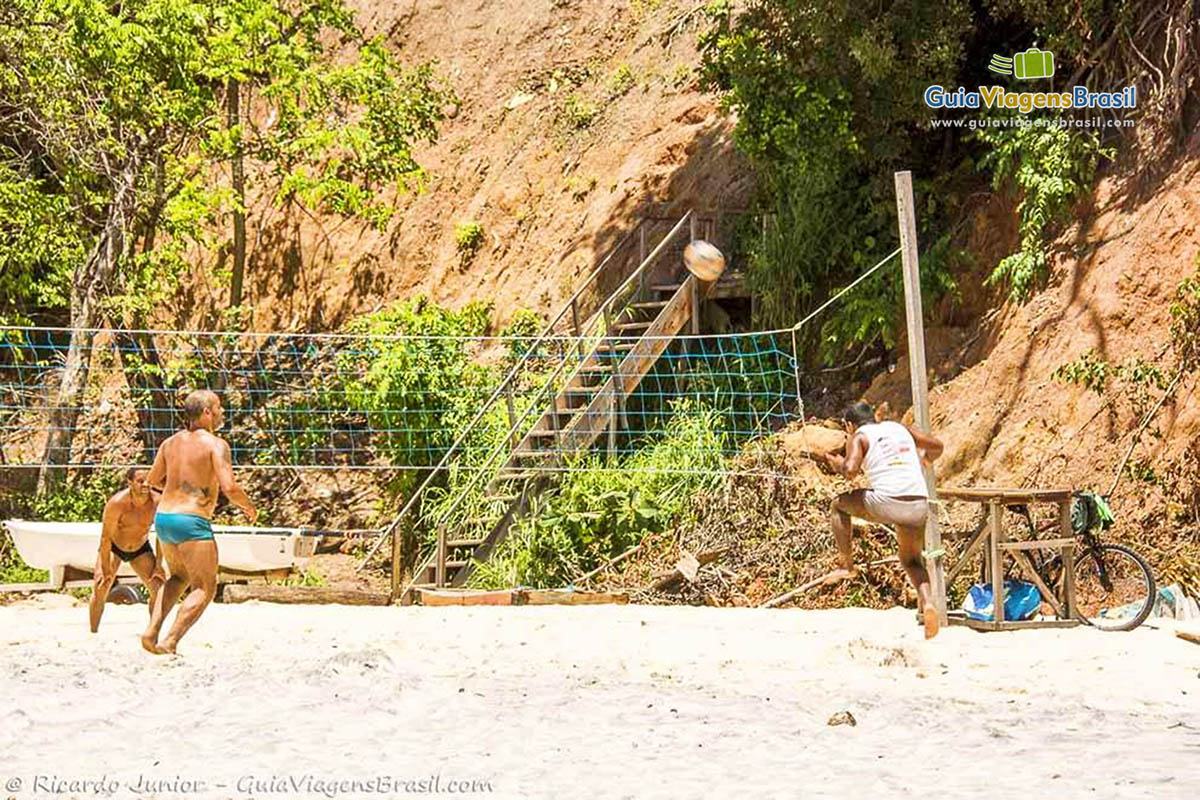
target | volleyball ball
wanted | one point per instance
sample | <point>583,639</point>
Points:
<point>703,260</point>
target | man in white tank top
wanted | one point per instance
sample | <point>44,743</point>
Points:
<point>892,455</point>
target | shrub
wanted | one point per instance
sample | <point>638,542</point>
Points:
<point>598,510</point>
<point>577,113</point>
<point>1050,168</point>
<point>468,238</point>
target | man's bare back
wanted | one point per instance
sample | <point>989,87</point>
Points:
<point>189,461</point>
<point>194,467</point>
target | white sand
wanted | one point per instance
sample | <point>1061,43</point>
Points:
<point>597,702</point>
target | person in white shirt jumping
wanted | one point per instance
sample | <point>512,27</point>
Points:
<point>892,455</point>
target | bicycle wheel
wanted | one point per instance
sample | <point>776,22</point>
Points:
<point>1114,587</point>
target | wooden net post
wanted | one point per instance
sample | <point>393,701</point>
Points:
<point>906,212</point>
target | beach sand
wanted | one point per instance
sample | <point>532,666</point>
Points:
<point>590,702</point>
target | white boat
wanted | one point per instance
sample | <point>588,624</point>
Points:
<point>56,546</point>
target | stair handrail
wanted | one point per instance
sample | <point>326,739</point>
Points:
<point>570,305</point>
<point>612,297</point>
<point>506,440</point>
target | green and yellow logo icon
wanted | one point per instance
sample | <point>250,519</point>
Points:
<point>1033,63</point>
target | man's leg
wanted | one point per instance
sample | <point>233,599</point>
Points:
<point>911,541</point>
<point>100,588</point>
<point>168,596</point>
<point>201,559</point>
<point>845,505</point>
<point>144,565</point>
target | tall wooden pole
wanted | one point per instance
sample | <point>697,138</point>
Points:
<point>920,386</point>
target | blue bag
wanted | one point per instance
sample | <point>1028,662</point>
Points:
<point>1021,601</point>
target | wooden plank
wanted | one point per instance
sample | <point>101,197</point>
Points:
<point>1047,593</point>
<point>440,575</point>
<point>302,595</point>
<point>590,422</point>
<point>976,540</point>
<point>567,597</point>
<point>1007,495</point>
<point>1037,544</point>
<point>995,537</point>
<point>397,563</point>
<point>914,316</point>
<point>1187,636</point>
<point>696,308</point>
<point>28,587</point>
<point>452,597</point>
<point>1068,558</point>
<point>575,326</point>
<point>986,625</point>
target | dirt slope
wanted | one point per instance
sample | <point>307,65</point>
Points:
<point>1115,271</point>
<point>575,118</point>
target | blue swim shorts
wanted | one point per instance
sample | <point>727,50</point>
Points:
<point>180,528</point>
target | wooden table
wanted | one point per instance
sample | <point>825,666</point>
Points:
<point>996,546</point>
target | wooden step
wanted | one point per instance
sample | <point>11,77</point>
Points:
<point>535,455</point>
<point>618,347</point>
<point>630,326</point>
<point>515,476</point>
<point>651,304</point>
<point>543,434</point>
<point>452,543</point>
<point>581,389</point>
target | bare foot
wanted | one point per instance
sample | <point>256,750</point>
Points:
<point>839,575</point>
<point>167,648</point>
<point>930,616</point>
<point>150,643</point>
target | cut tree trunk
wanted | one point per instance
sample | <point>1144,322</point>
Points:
<point>239,205</point>
<point>89,288</point>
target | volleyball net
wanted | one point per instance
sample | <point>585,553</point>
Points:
<point>377,402</point>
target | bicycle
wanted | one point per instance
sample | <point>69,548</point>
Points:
<point>1115,588</point>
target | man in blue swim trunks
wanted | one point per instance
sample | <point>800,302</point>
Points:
<point>194,467</point>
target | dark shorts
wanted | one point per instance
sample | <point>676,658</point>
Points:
<point>180,528</point>
<point>127,555</point>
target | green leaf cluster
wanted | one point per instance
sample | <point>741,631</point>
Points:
<point>1050,167</point>
<point>116,121</point>
<point>828,97</point>
<point>600,509</point>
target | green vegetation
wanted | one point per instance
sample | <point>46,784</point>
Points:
<point>829,103</point>
<point>1049,168</point>
<point>82,500</point>
<point>468,238</point>
<point>118,116</point>
<point>520,333</point>
<point>580,186</point>
<point>598,509</point>
<point>577,113</point>
<point>621,81</point>
<point>829,96</point>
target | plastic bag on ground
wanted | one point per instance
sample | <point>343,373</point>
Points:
<point>1021,601</point>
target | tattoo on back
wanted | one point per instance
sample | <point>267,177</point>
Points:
<point>201,492</point>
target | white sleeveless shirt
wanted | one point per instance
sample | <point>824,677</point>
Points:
<point>892,464</point>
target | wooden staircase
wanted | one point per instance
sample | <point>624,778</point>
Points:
<point>601,364</point>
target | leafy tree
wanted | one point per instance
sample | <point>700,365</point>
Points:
<point>829,102</point>
<point>117,114</point>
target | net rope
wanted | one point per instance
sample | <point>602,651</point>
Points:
<point>400,401</point>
